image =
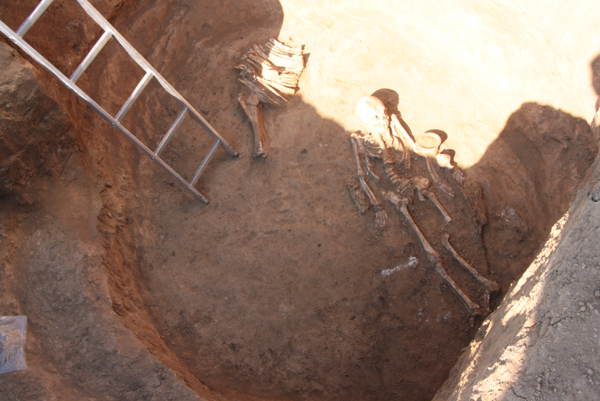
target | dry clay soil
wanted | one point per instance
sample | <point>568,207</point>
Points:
<point>135,290</point>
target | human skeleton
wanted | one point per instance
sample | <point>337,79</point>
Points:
<point>387,134</point>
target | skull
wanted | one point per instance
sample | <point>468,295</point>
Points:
<point>373,113</point>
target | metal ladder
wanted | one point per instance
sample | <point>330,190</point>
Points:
<point>111,32</point>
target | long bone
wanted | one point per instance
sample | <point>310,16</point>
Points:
<point>445,187</point>
<point>367,154</point>
<point>488,285</point>
<point>434,256</point>
<point>402,136</point>
<point>270,72</point>
<point>253,108</point>
<point>401,133</point>
<point>422,184</point>
<point>381,217</point>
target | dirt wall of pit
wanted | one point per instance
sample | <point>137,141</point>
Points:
<point>542,342</point>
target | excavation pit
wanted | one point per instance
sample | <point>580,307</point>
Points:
<point>279,289</point>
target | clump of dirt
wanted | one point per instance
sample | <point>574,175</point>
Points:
<point>276,289</point>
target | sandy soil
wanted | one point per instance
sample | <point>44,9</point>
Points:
<point>274,290</point>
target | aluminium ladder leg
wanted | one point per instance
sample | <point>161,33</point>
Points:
<point>111,32</point>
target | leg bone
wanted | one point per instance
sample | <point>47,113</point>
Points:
<point>431,196</point>
<point>488,285</point>
<point>434,257</point>
<point>422,184</point>
<point>253,109</point>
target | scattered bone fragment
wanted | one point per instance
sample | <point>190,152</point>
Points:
<point>422,185</point>
<point>270,72</point>
<point>434,256</point>
<point>253,108</point>
<point>489,286</point>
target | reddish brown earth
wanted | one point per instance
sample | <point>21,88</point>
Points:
<point>134,290</point>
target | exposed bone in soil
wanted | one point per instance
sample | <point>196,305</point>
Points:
<point>133,290</point>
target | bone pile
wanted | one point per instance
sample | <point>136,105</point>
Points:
<point>386,133</point>
<point>270,72</point>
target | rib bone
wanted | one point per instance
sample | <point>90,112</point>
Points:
<point>422,184</point>
<point>253,108</point>
<point>488,285</point>
<point>434,257</point>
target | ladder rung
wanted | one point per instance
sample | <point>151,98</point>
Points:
<point>209,156</point>
<point>33,17</point>
<point>171,131</point>
<point>100,20</point>
<point>91,56</point>
<point>134,95</point>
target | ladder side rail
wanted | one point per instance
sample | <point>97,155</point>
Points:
<point>145,65</point>
<point>96,107</point>
<point>33,17</point>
